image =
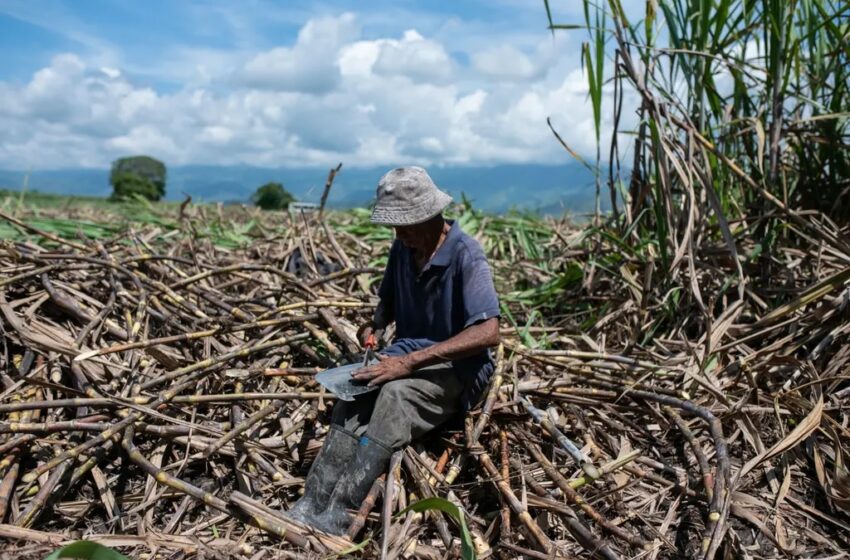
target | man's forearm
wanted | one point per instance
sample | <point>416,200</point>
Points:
<point>468,342</point>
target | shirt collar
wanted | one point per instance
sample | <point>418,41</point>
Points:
<point>443,256</point>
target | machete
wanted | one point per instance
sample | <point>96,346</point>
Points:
<point>338,380</point>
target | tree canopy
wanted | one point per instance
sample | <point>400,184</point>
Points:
<point>272,196</point>
<point>138,175</point>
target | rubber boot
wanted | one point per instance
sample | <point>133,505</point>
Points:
<point>354,484</point>
<point>336,453</point>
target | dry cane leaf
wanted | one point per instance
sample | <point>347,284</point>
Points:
<point>621,478</point>
<point>749,516</point>
<point>783,488</point>
<point>820,472</point>
<point>839,490</point>
<point>809,424</point>
<point>781,533</point>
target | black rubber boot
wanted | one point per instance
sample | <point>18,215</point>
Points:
<point>356,480</point>
<point>335,455</point>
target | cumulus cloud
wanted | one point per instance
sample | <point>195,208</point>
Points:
<point>505,62</point>
<point>415,57</point>
<point>412,57</point>
<point>308,66</point>
<point>331,96</point>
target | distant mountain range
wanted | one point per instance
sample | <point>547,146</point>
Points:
<point>547,189</point>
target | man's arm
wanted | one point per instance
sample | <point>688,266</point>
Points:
<point>468,342</point>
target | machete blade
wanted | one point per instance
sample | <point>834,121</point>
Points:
<point>339,382</point>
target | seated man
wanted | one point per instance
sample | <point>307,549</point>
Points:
<point>438,289</point>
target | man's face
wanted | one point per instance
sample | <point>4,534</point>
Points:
<point>413,236</point>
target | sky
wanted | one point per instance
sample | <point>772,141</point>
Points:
<point>290,83</point>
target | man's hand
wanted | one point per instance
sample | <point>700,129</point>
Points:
<point>364,333</point>
<point>387,369</point>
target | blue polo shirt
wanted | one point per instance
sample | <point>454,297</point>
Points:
<point>452,291</point>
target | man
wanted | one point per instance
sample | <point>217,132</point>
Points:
<point>438,290</point>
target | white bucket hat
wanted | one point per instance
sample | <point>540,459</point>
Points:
<point>407,196</point>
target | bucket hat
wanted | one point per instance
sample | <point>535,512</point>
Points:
<point>407,196</point>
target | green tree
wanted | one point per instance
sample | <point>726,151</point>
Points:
<point>272,196</point>
<point>142,175</point>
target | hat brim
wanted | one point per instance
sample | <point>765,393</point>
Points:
<point>410,216</point>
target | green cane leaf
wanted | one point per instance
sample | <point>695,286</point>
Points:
<point>86,550</point>
<point>350,550</point>
<point>441,504</point>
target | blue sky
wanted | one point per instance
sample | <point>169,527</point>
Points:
<point>296,84</point>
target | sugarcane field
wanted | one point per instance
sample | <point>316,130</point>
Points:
<point>413,355</point>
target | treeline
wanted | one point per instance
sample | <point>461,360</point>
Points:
<point>145,177</point>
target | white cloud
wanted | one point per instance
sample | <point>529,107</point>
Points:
<point>111,72</point>
<point>505,62</point>
<point>414,57</point>
<point>308,66</point>
<point>330,96</point>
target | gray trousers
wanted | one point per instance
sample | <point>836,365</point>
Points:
<point>403,409</point>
